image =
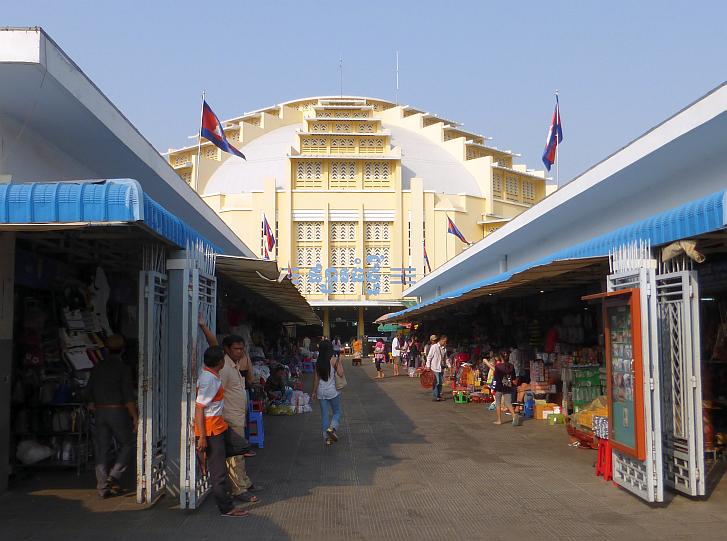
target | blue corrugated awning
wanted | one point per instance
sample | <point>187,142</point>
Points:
<point>689,220</point>
<point>116,201</point>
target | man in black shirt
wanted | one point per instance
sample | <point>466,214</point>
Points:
<point>112,398</point>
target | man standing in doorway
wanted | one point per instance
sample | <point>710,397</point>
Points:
<point>436,361</point>
<point>112,398</point>
<point>236,374</point>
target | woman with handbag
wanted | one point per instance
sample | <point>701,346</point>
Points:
<point>328,380</point>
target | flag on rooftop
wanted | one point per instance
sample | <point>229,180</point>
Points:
<point>212,130</point>
<point>555,137</point>
<point>453,230</point>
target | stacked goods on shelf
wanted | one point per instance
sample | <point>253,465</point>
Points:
<point>586,385</point>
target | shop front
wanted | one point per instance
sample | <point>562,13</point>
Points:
<point>623,336</point>
<point>84,261</point>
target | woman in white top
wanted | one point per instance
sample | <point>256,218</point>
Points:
<point>324,389</point>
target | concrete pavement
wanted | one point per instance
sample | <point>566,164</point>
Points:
<point>405,468</point>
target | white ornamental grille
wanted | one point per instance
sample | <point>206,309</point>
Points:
<point>343,232</point>
<point>187,177</point>
<point>528,191</point>
<point>512,187</point>
<point>343,127</point>
<point>306,287</point>
<point>343,256</point>
<point>382,252</point>
<point>366,127</point>
<point>308,256</point>
<point>181,159</point>
<point>314,145</point>
<point>378,232</point>
<point>309,174</point>
<point>309,231</point>
<point>371,145</point>
<point>343,170</point>
<point>319,127</point>
<point>343,145</point>
<point>497,185</point>
<point>343,288</point>
<point>210,152</point>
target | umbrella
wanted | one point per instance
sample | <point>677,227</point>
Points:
<point>390,327</point>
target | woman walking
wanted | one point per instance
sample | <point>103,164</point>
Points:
<point>324,388</point>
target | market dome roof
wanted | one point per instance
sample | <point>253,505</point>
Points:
<point>267,156</point>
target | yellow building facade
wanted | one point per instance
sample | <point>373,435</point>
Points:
<point>355,190</point>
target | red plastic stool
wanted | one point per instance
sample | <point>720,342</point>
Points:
<point>604,463</point>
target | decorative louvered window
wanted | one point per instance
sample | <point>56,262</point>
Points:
<point>366,127</point>
<point>325,114</point>
<point>343,127</point>
<point>343,145</point>
<point>342,248</point>
<point>382,252</point>
<point>497,185</point>
<point>528,191</point>
<point>378,232</point>
<point>309,231</point>
<point>187,177</point>
<point>182,159</point>
<point>377,174</point>
<point>211,152</point>
<point>343,231</point>
<point>308,254</point>
<point>377,244</point>
<point>309,174</point>
<point>343,175</point>
<point>512,188</point>
<point>371,145</point>
<point>314,145</point>
<point>319,127</point>
<point>343,256</point>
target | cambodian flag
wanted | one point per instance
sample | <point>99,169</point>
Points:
<point>269,238</point>
<point>555,137</point>
<point>212,130</point>
<point>426,257</point>
<point>452,229</point>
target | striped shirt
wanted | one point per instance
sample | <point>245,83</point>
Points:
<point>210,396</point>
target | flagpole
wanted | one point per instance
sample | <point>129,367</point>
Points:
<point>199,143</point>
<point>557,144</point>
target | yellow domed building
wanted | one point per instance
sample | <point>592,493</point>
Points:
<point>356,189</point>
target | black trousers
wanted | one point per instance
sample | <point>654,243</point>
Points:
<point>112,423</point>
<point>217,466</point>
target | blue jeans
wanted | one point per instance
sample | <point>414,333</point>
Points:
<point>437,385</point>
<point>335,405</point>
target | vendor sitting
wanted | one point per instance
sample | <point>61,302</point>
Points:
<point>276,386</point>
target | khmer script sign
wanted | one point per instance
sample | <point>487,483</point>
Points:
<point>370,275</point>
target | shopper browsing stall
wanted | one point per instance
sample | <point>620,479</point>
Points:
<point>111,396</point>
<point>504,380</point>
<point>436,362</point>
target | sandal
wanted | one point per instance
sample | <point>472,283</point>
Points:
<point>236,512</point>
<point>246,497</point>
<point>249,454</point>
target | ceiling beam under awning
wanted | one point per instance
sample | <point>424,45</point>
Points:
<point>264,279</point>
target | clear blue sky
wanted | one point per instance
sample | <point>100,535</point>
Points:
<point>621,67</point>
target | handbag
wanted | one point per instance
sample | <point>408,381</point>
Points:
<point>340,380</point>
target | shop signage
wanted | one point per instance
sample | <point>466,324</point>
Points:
<point>370,275</point>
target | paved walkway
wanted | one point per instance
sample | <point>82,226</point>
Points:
<point>405,468</point>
